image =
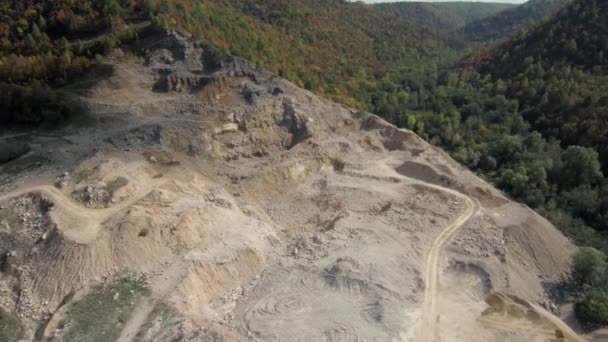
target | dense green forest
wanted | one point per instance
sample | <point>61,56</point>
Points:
<point>510,21</point>
<point>443,16</point>
<point>558,73</point>
<point>530,114</point>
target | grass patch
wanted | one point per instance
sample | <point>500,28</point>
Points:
<point>116,184</point>
<point>10,328</point>
<point>100,315</point>
<point>163,325</point>
<point>82,175</point>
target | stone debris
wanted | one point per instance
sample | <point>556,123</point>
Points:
<point>227,128</point>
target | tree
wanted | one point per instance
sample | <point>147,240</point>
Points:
<point>593,309</point>
<point>113,8</point>
<point>42,24</point>
<point>583,201</point>
<point>487,163</point>
<point>589,266</point>
<point>30,43</point>
<point>36,31</point>
<point>411,122</point>
<point>580,166</point>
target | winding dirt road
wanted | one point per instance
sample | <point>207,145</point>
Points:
<point>79,223</point>
<point>82,224</point>
<point>426,327</point>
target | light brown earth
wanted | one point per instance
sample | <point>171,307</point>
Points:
<point>258,211</point>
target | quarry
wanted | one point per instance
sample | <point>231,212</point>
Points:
<point>205,199</point>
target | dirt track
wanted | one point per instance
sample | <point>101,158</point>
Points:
<point>426,329</point>
<point>426,325</point>
<point>83,223</point>
<point>310,221</point>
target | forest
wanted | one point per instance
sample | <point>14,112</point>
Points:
<point>528,113</point>
<point>513,20</point>
<point>47,44</point>
<point>444,16</point>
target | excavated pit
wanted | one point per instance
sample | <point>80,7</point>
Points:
<point>255,210</point>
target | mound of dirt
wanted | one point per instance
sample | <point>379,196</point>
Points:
<point>514,315</point>
<point>425,173</point>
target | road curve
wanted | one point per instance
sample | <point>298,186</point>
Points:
<point>426,326</point>
<point>82,223</point>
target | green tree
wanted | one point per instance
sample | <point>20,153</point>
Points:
<point>42,24</point>
<point>580,166</point>
<point>36,31</point>
<point>589,266</point>
<point>113,8</point>
<point>487,163</point>
<point>411,122</point>
<point>593,309</point>
<point>30,43</point>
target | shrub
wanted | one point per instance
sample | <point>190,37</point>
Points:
<point>589,266</point>
<point>35,104</point>
<point>593,309</point>
<point>116,184</point>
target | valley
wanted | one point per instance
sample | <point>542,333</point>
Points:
<point>220,226</point>
<point>216,171</point>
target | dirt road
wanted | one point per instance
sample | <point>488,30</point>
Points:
<point>426,327</point>
<point>80,224</point>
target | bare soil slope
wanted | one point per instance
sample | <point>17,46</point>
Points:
<point>255,210</point>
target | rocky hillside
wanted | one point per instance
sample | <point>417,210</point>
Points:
<point>45,44</point>
<point>204,198</point>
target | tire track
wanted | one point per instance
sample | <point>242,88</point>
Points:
<point>426,327</point>
<point>83,223</point>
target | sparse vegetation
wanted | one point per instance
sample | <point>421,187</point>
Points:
<point>82,175</point>
<point>162,325</point>
<point>102,313</point>
<point>115,184</point>
<point>10,328</point>
<point>162,318</point>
